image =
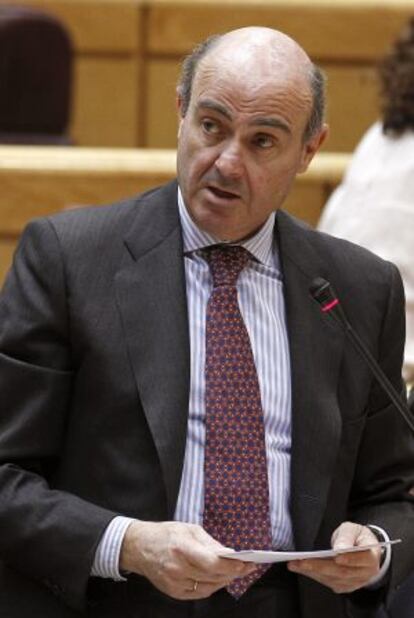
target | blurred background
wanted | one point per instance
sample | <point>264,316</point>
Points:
<point>87,97</point>
<point>97,78</point>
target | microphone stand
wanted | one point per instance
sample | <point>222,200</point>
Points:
<point>379,374</point>
<point>322,292</point>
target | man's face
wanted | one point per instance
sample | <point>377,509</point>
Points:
<point>241,145</point>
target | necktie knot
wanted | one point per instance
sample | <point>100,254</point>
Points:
<point>226,263</point>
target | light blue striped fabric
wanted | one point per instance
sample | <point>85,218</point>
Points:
<point>260,291</point>
<point>106,561</point>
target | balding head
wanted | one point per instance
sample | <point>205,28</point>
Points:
<point>255,46</point>
<point>259,52</point>
<point>243,134</point>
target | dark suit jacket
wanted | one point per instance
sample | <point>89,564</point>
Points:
<point>94,382</point>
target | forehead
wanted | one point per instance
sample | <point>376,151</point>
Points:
<point>247,87</point>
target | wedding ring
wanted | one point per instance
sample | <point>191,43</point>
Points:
<point>195,586</point>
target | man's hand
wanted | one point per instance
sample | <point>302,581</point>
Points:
<point>346,572</point>
<point>179,559</point>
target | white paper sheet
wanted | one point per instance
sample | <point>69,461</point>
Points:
<point>285,556</point>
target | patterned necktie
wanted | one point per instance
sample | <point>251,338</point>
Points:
<point>236,501</point>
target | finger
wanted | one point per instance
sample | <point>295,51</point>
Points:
<point>329,570</point>
<point>202,554</point>
<point>220,573</point>
<point>202,563</point>
<point>346,535</point>
<point>324,567</point>
<point>206,560</point>
<point>339,585</point>
<point>186,589</point>
<point>228,565</point>
<point>201,591</point>
<point>338,578</point>
<point>239,569</point>
<point>360,559</point>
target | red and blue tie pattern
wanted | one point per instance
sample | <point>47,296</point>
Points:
<point>236,501</point>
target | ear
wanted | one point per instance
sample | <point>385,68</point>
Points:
<point>311,147</point>
<point>179,101</point>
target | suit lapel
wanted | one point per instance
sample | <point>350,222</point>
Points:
<point>316,347</point>
<point>152,301</point>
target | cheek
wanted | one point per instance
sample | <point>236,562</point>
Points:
<point>199,162</point>
<point>283,175</point>
<point>265,181</point>
<point>270,186</point>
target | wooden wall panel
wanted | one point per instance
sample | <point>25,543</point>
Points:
<point>338,29</point>
<point>96,26</point>
<point>353,104</point>
<point>38,181</point>
<point>161,126</point>
<point>106,108</point>
<point>7,247</point>
<point>307,200</point>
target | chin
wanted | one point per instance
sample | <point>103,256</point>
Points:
<point>215,226</point>
<point>217,221</point>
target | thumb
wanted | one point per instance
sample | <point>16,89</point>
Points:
<point>346,535</point>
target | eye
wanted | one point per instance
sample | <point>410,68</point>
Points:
<point>264,141</point>
<point>210,126</point>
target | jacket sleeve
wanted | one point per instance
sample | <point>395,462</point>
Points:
<point>382,488</point>
<point>46,534</point>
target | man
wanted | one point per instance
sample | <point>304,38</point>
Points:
<point>111,327</point>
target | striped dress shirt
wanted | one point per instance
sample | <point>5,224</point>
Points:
<point>261,299</point>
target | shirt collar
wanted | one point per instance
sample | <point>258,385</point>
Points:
<point>261,245</point>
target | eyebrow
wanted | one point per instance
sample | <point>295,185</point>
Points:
<point>272,122</point>
<point>261,121</point>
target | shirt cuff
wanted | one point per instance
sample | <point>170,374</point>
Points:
<point>106,562</point>
<point>376,581</point>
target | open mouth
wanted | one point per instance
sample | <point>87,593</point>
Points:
<point>227,195</point>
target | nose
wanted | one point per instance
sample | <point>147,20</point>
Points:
<point>230,161</point>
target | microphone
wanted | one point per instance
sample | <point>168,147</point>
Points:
<point>323,293</point>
